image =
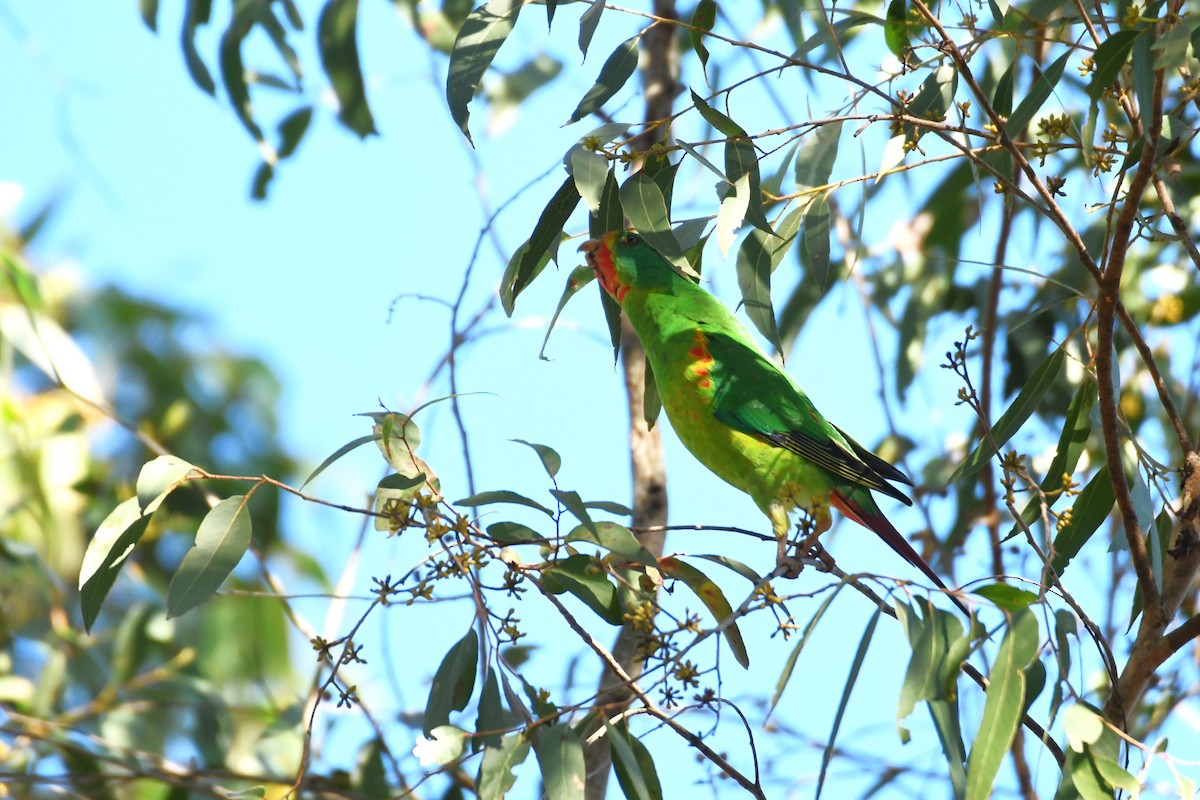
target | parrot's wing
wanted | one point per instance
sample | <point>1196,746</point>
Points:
<point>751,394</point>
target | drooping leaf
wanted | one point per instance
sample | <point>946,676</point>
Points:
<point>583,577</point>
<point>1037,95</point>
<point>895,30</point>
<point>633,764</point>
<point>337,454</point>
<point>502,496</point>
<point>221,541</point>
<point>588,23</point>
<point>740,159</point>
<point>817,155</point>
<point>856,666</point>
<point>579,278</point>
<point>617,70</point>
<point>1088,513</point>
<point>195,14</point>
<point>1023,406</point>
<point>514,533</point>
<point>112,543</point>
<point>1110,57</point>
<point>816,243</point>
<point>560,756</point>
<point>453,683</point>
<point>574,503</point>
<point>532,258</point>
<point>1077,427</point>
<point>643,202</point>
<point>233,72</point>
<point>589,170</point>
<point>617,539</point>
<point>757,259</point>
<point>496,768</point>
<point>1004,705</point>
<point>149,11</point>
<point>551,460</point>
<point>338,44</point>
<point>492,719</point>
<point>479,39</point>
<point>713,598</point>
<point>703,19</point>
<point>158,478</point>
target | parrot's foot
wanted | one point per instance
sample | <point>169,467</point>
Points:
<point>805,551</point>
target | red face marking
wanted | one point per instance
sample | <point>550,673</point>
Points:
<point>600,259</point>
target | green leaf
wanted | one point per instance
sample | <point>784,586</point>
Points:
<point>337,41</point>
<point>790,665</point>
<point>453,683</point>
<point>502,496</point>
<point>496,769</point>
<point>574,503</point>
<point>514,533</point>
<point>1110,57</point>
<point>160,477</point>
<point>370,776</point>
<point>646,207</point>
<point>112,543</point>
<point>479,39</point>
<point>589,170</point>
<point>560,756</point>
<point>531,258</point>
<point>341,451</point>
<point>610,506</point>
<point>714,600</point>
<point>398,438</point>
<point>1003,708</point>
<point>221,541</point>
<point>1088,513</point>
<point>579,278</point>
<point>936,95</point>
<point>757,259</point>
<point>633,763</point>
<point>583,577</point>
<point>233,72</point>
<point>817,155</point>
<point>551,460</point>
<point>1011,420</point>
<point>703,19</point>
<point>895,30</point>
<point>1077,426</point>
<point>617,539</point>
<point>617,70</point>
<point>492,716</point>
<point>1037,95</point>
<point>149,11</point>
<point>396,490</point>
<point>587,24</point>
<point>1007,596</point>
<point>1082,726</point>
<point>816,243</point>
<point>740,159</point>
<point>651,401</point>
<point>938,648</point>
<point>196,14</point>
<point>859,656</point>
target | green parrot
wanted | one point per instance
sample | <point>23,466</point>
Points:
<point>736,411</point>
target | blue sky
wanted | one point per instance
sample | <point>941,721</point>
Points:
<point>156,176</point>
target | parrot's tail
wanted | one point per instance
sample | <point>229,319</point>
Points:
<point>871,518</point>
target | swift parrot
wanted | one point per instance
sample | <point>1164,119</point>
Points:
<point>736,411</point>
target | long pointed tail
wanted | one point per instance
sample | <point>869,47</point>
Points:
<point>871,518</point>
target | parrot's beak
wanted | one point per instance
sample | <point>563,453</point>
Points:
<point>589,249</point>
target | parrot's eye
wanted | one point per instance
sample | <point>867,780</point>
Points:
<point>631,239</point>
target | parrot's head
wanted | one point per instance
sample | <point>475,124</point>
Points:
<point>622,260</point>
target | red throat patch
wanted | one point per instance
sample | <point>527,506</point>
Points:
<point>601,260</point>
